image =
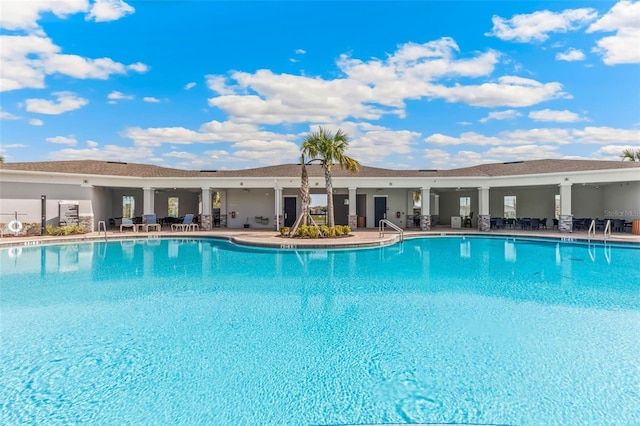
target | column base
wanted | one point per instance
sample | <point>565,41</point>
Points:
<point>484,223</point>
<point>565,223</point>
<point>425,223</point>
<point>353,221</point>
<point>206,222</point>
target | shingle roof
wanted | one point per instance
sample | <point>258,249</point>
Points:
<point>112,168</point>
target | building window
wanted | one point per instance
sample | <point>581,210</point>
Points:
<point>465,206</point>
<point>216,199</point>
<point>557,207</point>
<point>509,206</point>
<point>172,208</point>
<point>128,206</point>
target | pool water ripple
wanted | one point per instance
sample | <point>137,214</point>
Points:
<point>439,330</point>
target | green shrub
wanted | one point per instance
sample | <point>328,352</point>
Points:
<point>324,229</point>
<point>339,230</point>
<point>313,232</point>
<point>65,230</point>
<point>302,231</point>
<point>331,232</point>
<point>346,230</point>
<point>284,230</point>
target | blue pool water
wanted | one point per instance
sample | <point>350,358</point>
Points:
<point>434,330</point>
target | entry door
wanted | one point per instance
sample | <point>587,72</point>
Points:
<point>289,211</point>
<point>380,209</point>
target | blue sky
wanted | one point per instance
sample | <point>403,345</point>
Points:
<point>232,85</point>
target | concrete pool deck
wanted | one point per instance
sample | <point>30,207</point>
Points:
<point>270,238</point>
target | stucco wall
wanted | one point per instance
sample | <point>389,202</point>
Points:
<point>621,201</point>
<point>530,202</point>
<point>249,204</point>
<point>587,201</point>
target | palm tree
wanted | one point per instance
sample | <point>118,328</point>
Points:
<point>305,197</point>
<point>1,158</point>
<point>330,149</point>
<point>631,154</point>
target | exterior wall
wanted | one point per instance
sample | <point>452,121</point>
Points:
<point>396,202</point>
<point>621,201</point>
<point>247,204</point>
<point>24,198</point>
<point>530,202</point>
<point>450,205</point>
<point>587,201</point>
<point>188,202</point>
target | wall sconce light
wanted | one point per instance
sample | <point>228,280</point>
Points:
<point>346,201</point>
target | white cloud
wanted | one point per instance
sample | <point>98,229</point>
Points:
<point>538,25</point>
<point>24,15</point>
<point>570,55</point>
<point>116,96</point>
<point>190,86</point>
<point>613,152</point>
<point>563,116</point>
<point>464,123</point>
<point>624,20</point>
<point>36,122</point>
<point>108,153</point>
<point>211,132</point>
<point>509,114</point>
<point>109,10</point>
<point>64,140</point>
<point>266,152</point>
<point>66,101</point>
<point>8,116</point>
<point>181,154</point>
<point>92,144</point>
<point>151,99</point>
<point>522,152</point>
<point>606,135</point>
<point>375,88</point>
<point>26,61</point>
<point>300,51</point>
<point>548,136</point>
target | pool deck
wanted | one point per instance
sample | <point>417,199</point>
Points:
<point>358,238</point>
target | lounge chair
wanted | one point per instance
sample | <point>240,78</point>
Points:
<point>186,224</point>
<point>151,222</point>
<point>128,223</point>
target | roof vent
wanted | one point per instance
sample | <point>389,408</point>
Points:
<point>428,170</point>
<point>207,171</point>
<point>116,162</point>
<point>513,162</point>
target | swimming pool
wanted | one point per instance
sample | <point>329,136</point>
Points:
<point>449,330</point>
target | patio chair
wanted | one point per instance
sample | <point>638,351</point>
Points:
<point>468,221</point>
<point>185,225</point>
<point>128,223</point>
<point>151,222</point>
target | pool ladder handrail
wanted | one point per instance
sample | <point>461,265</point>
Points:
<point>592,230</point>
<point>381,226</point>
<point>102,224</point>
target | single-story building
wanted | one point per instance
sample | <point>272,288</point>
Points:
<point>269,197</point>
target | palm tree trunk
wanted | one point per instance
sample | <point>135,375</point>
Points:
<point>304,194</point>
<point>331,221</point>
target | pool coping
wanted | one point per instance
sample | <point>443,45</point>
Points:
<point>270,239</point>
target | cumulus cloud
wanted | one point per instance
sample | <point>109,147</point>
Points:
<point>27,60</point>
<point>570,55</point>
<point>621,48</point>
<point>614,152</point>
<point>371,89</point>
<point>8,116</point>
<point>24,15</point>
<point>564,116</point>
<point>66,101</point>
<point>116,96</point>
<point>36,122</point>
<point>151,99</point>
<point>109,10</point>
<point>538,25</point>
<point>606,135</point>
<point>92,144</point>
<point>108,153</point>
<point>180,154</point>
<point>509,114</point>
<point>64,140</point>
<point>300,51</point>
<point>190,86</point>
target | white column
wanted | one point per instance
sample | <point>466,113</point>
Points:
<point>206,201</point>
<point>278,206</point>
<point>484,216</point>
<point>436,204</point>
<point>148,200</point>
<point>352,201</point>
<point>425,201</point>
<point>565,199</point>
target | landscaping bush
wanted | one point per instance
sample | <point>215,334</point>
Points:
<point>284,231</point>
<point>65,230</point>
